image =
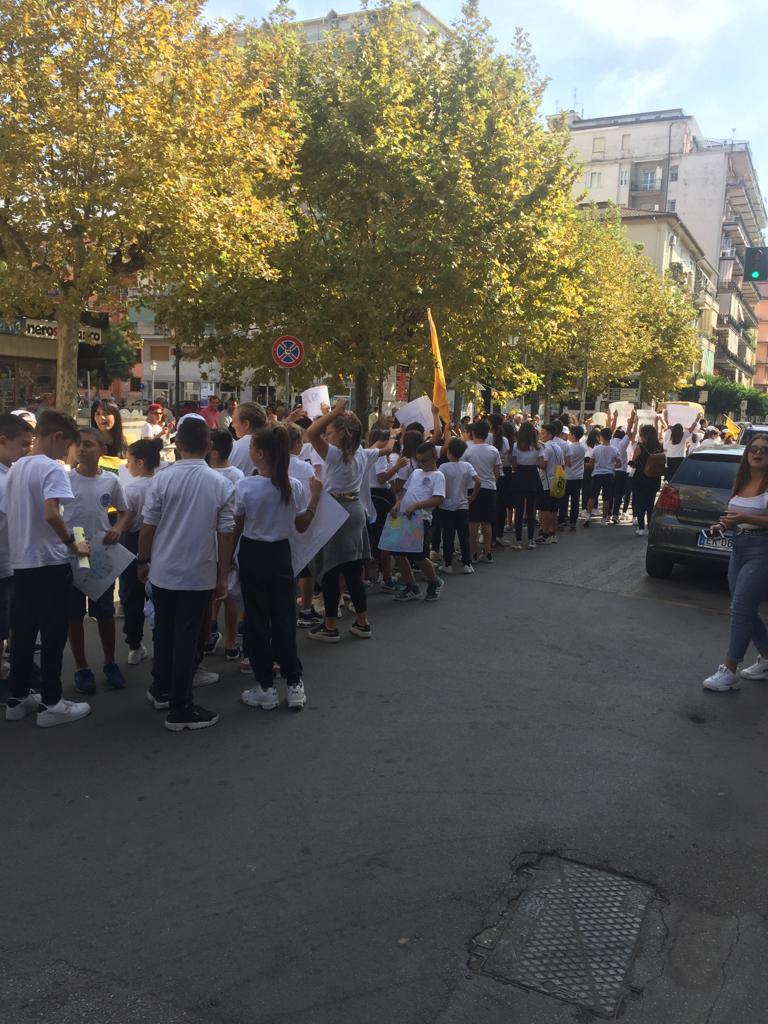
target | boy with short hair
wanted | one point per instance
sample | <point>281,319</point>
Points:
<point>94,493</point>
<point>460,479</point>
<point>486,460</point>
<point>424,491</point>
<point>15,442</point>
<point>185,548</point>
<point>41,544</point>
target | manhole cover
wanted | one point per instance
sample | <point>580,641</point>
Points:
<point>569,931</point>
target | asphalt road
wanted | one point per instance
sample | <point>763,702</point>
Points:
<point>334,865</point>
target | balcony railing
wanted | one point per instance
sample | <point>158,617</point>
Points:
<point>646,185</point>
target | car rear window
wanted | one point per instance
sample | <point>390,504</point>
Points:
<point>709,472</point>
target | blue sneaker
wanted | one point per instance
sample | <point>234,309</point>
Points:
<point>114,676</point>
<point>85,681</point>
<point>388,586</point>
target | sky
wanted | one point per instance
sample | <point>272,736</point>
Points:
<point>624,56</point>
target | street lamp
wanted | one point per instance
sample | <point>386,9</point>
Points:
<point>152,370</point>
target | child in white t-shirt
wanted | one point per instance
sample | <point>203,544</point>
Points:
<point>487,464</point>
<point>302,470</point>
<point>16,436</point>
<point>424,491</point>
<point>460,479</point>
<point>143,461</point>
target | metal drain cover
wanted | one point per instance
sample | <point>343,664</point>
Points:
<point>569,931</point>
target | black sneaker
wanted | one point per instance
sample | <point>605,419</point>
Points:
<point>488,557</point>
<point>587,523</point>
<point>232,653</point>
<point>364,632</point>
<point>212,643</point>
<point>307,619</point>
<point>194,717</point>
<point>325,636</point>
<point>433,590</point>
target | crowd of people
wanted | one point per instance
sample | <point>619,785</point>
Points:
<point>212,532</point>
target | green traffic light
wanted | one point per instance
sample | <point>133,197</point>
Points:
<point>755,275</point>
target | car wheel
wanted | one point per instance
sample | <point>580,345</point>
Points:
<point>658,566</point>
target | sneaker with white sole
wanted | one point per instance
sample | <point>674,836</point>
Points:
<point>212,643</point>
<point>531,545</point>
<point>16,710</point>
<point>295,696</point>
<point>194,717</point>
<point>325,636</point>
<point>137,654</point>
<point>158,703</point>
<point>468,570</point>
<point>639,532</point>
<point>411,593</point>
<point>721,680</point>
<point>203,678</point>
<point>63,713</point>
<point>245,666</point>
<point>757,671</point>
<point>517,547</point>
<point>258,697</point>
<point>363,631</point>
<point>445,568</point>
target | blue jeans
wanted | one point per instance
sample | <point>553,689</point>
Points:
<point>748,583</point>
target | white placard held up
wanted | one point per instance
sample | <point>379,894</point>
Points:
<point>328,517</point>
<point>313,398</point>
<point>599,419</point>
<point>684,413</point>
<point>107,561</point>
<point>646,417</point>
<point>417,411</point>
<point>624,410</point>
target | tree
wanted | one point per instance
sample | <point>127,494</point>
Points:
<point>116,358</point>
<point>133,138</point>
<point>426,178</point>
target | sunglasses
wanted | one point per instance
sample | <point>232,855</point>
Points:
<point>759,449</point>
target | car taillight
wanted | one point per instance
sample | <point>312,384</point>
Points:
<point>669,498</point>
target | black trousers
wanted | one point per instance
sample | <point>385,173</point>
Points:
<point>40,605</point>
<point>436,533</point>
<point>181,628</point>
<point>269,596</point>
<point>331,586</point>
<point>132,596</point>
<point>455,522</point>
<point>570,500</point>
<point>525,509</point>
<point>620,478</point>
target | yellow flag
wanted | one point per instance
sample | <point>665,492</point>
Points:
<point>439,390</point>
<point>732,429</point>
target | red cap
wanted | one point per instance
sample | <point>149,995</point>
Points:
<point>155,407</point>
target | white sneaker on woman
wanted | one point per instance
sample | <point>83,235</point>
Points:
<point>62,713</point>
<point>721,680</point>
<point>757,671</point>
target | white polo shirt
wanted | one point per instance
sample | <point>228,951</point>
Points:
<point>31,481</point>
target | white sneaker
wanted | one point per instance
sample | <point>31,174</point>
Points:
<point>531,545</point>
<point>605,522</point>
<point>552,539</point>
<point>639,532</point>
<point>721,680</point>
<point>261,698</point>
<point>517,547</point>
<point>27,705</point>
<point>62,713</point>
<point>295,696</point>
<point>435,557</point>
<point>468,570</point>
<point>203,678</point>
<point>503,541</point>
<point>135,657</point>
<point>757,671</point>
<point>245,666</point>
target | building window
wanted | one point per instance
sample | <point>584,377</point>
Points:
<point>648,181</point>
<point>598,145</point>
<point>594,179</point>
<point>623,175</point>
<point>671,204</point>
<point>160,353</point>
<point>673,172</point>
<point>135,384</point>
<point>625,143</point>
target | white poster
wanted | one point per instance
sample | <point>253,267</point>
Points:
<point>624,410</point>
<point>313,399</point>
<point>599,419</point>
<point>417,411</point>
<point>330,515</point>
<point>684,413</point>
<point>107,561</point>
<point>646,417</point>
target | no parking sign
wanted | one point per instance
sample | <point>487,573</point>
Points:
<point>287,352</point>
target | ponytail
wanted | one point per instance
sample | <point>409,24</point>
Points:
<point>275,443</point>
<point>350,431</point>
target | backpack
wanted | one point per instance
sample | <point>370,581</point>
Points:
<point>655,464</point>
<point>557,483</point>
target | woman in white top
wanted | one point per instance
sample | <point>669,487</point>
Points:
<point>677,441</point>
<point>336,439</point>
<point>747,516</point>
<point>526,460</point>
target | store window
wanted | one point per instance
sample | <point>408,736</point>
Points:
<point>22,381</point>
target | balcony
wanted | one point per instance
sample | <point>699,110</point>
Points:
<point>724,356</point>
<point>646,184</point>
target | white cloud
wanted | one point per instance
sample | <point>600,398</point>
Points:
<point>637,22</point>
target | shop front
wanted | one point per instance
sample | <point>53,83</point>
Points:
<point>27,368</point>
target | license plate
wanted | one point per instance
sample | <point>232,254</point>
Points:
<point>722,542</point>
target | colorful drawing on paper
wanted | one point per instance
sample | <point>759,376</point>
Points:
<point>403,534</point>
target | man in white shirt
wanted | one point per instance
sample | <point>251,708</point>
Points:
<point>152,426</point>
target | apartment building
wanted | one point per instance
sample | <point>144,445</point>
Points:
<point>316,28</point>
<point>761,362</point>
<point>659,162</point>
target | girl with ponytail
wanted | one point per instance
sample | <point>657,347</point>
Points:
<point>267,507</point>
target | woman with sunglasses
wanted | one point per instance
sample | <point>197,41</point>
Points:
<point>747,516</point>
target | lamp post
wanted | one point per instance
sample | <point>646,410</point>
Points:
<point>152,370</point>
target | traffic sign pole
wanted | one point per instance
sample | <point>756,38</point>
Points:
<point>288,389</point>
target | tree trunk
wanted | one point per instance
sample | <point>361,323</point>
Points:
<point>68,323</point>
<point>361,397</point>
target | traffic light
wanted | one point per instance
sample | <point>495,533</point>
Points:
<point>756,264</point>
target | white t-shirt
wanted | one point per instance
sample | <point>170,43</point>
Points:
<point>423,485</point>
<point>757,505</point>
<point>31,541</point>
<point>459,480</point>
<point>483,457</point>
<point>151,429</point>
<point>340,477</point>
<point>5,554</point>
<point>621,445</point>
<point>267,516</point>
<point>189,504</point>
<point>135,491</point>
<point>604,458</point>
<point>676,451</point>
<point>240,456</point>
<point>575,453</point>
<point>303,472</point>
<point>307,451</point>
<point>93,496</point>
<point>553,456</point>
<point>232,473</point>
<point>383,465</point>
<point>224,422</point>
<point>505,451</point>
<point>527,458</point>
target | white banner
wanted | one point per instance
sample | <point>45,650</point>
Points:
<point>684,413</point>
<point>328,518</point>
<point>624,410</point>
<point>313,399</point>
<point>417,411</point>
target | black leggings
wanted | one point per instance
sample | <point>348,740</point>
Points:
<point>525,508</point>
<point>353,577</point>
<point>573,498</point>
